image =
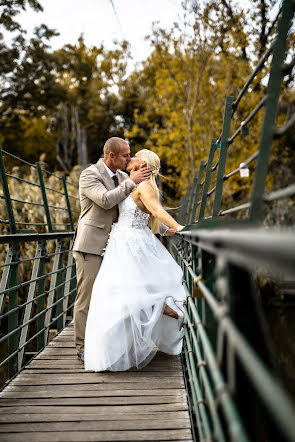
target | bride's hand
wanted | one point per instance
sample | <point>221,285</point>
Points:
<point>170,232</point>
<point>179,228</point>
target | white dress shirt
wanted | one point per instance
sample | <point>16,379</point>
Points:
<point>110,172</point>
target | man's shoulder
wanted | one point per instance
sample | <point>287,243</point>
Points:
<point>90,170</point>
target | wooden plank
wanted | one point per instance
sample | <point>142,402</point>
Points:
<point>57,393</point>
<point>40,363</point>
<point>102,375</point>
<point>113,400</point>
<point>57,357</point>
<point>68,359</point>
<point>61,344</point>
<point>115,425</point>
<point>68,417</point>
<point>105,436</point>
<point>55,399</point>
<point>88,378</point>
<point>181,406</point>
<point>60,339</point>
<point>59,351</point>
<point>159,385</point>
<point>68,363</point>
<point>57,365</point>
<point>77,370</point>
<point>73,351</point>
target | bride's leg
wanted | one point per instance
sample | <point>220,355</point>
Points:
<point>170,312</point>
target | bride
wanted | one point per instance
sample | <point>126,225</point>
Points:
<point>137,297</point>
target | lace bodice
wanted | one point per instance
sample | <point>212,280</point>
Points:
<point>131,215</point>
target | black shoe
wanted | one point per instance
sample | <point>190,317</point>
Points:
<point>81,356</point>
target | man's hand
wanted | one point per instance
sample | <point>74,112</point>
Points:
<point>142,174</point>
<point>170,232</point>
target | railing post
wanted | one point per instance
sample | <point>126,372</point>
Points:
<point>6,194</point>
<point>244,307</point>
<point>29,307</point>
<point>223,154</point>
<point>44,196</point>
<point>187,204</point>
<point>60,290</point>
<point>64,181</point>
<point>196,195</point>
<point>180,208</point>
<point>57,264</point>
<point>4,282</point>
<point>12,304</point>
<point>41,300</point>
<point>68,281</point>
<point>207,179</point>
<point>208,265</point>
<point>73,285</point>
<point>190,201</point>
<point>271,107</point>
<point>183,206</point>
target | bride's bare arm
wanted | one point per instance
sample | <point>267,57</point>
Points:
<point>148,197</point>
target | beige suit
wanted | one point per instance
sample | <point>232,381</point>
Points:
<point>99,200</point>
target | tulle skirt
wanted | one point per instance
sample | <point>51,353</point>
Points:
<point>126,325</point>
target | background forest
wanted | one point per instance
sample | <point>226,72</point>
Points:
<point>67,102</point>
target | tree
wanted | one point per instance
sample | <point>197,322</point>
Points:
<point>29,89</point>
<point>71,94</point>
<point>181,90</point>
<point>93,78</point>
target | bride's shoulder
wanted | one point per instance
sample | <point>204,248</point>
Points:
<point>145,187</point>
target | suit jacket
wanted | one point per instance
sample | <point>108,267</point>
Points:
<point>99,201</point>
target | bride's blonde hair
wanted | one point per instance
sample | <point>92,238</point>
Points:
<point>153,161</point>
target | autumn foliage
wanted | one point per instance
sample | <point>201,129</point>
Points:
<point>66,103</point>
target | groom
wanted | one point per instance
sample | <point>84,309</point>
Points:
<point>102,186</point>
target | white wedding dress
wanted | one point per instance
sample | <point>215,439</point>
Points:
<point>126,324</point>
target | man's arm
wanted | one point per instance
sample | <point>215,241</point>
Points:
<point>95,190</point>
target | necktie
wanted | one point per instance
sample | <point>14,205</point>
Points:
<point>115,179</point>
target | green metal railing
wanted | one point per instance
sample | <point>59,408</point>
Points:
<point>37,270</point>
<point>234,392</point>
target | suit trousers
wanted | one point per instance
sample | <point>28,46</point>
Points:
<point>87,267</point>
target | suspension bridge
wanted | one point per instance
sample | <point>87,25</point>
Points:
<point>224,386</point>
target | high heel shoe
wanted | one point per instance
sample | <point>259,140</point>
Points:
<point>181,318</point>
<point>172,303</point>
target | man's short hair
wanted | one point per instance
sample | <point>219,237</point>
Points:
<point>113,144</point>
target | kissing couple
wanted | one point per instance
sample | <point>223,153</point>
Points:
<point>130,297</point>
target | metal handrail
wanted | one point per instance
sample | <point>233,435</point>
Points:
<point>47,301</point>
<point>237,252</point>
<point>34,307</point>
<point>45,200</point>
<point>227,361</point>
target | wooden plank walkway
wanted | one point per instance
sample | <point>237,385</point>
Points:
<point>55,399</point>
